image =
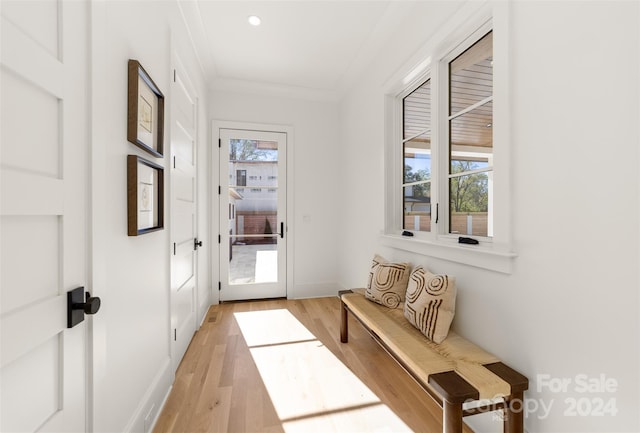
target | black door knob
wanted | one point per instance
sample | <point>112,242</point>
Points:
<point>76,308</point>
<point>196,244</point>
<point>91,306</point>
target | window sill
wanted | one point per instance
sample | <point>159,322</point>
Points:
<point>471,255</point>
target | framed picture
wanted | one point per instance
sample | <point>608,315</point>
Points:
<point>145,111</point>
<point>145,196</point>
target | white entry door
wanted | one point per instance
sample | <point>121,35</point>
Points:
<point>183,212</point>
<point>44,179</point>
<point>253,229</point>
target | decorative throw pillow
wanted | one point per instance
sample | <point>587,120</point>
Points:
<point>430,303</point>
<point>387,282</point>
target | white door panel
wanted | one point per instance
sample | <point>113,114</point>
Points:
<point>183,137</point>
<point>183,211</point>
<point>43,214</point>
<point>184,116</point>
<point>185,188</point>
<point>185,264</point>
<point>38,22</point>
<point>186,228</point>
<point>42,365</point>
<point>50,193</point>
<point>43,140</point>
<point>19,234</point>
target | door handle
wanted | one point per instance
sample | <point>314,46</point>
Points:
<point>281,230</point>
<point>196,244</point>
<point>80,303</point>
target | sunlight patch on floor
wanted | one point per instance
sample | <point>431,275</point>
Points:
<point>261,328</point>
<point>309,387</point>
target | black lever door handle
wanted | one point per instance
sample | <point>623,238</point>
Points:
<point>196,244</point>
<point>281,230</point>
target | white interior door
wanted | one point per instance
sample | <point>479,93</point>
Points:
<point>43,214</point>
<point>183,213</point>
<point>253,199</point>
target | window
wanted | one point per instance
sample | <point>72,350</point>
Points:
<point>470,144</point>
<point>448,171</point>
<point>241,177</point>
<point>467,125</point>
<point>416,149</point>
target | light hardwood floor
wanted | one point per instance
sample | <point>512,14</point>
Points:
<point>223,385</point>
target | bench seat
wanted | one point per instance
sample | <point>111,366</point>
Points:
<point>453,372</point>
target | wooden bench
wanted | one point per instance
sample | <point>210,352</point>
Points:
<point>453,373</point>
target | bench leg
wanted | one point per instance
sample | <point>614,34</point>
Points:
<point>451,417</point>
<point>344,323</point>
<point>514,414</point>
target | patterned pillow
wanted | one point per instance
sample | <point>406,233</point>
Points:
<point>430,303</point>
<point>387,282</point>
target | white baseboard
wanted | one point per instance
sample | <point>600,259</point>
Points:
<point>203,308</point>
<point>313,290</point>
<point>146,414</point>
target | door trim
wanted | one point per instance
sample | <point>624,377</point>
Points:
<point>217,125</point>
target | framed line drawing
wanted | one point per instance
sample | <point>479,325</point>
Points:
<point>145,111</point>
<point>145,196</point>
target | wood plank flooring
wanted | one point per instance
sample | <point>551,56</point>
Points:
<point>219,387</point>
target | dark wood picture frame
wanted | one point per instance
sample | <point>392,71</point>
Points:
<point>145,111</point>
<point>145,196</point>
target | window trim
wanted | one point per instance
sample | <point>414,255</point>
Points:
<point>432,63</point>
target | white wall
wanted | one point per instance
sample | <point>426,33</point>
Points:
<point>316,188</point>
<point>570,306</point>
<point>131,370</point>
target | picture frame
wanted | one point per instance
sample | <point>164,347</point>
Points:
<point>145,196</point>
<point>145,111</point>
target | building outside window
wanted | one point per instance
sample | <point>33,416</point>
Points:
<point>254,194</point>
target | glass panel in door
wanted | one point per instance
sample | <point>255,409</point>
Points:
<point>253,203</point>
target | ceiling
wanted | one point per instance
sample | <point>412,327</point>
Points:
<point>313,47</point>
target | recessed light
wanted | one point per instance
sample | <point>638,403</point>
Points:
<point>254,20</point>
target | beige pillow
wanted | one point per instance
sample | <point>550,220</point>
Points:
<point>430,303</point>
<point>387,282</point>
